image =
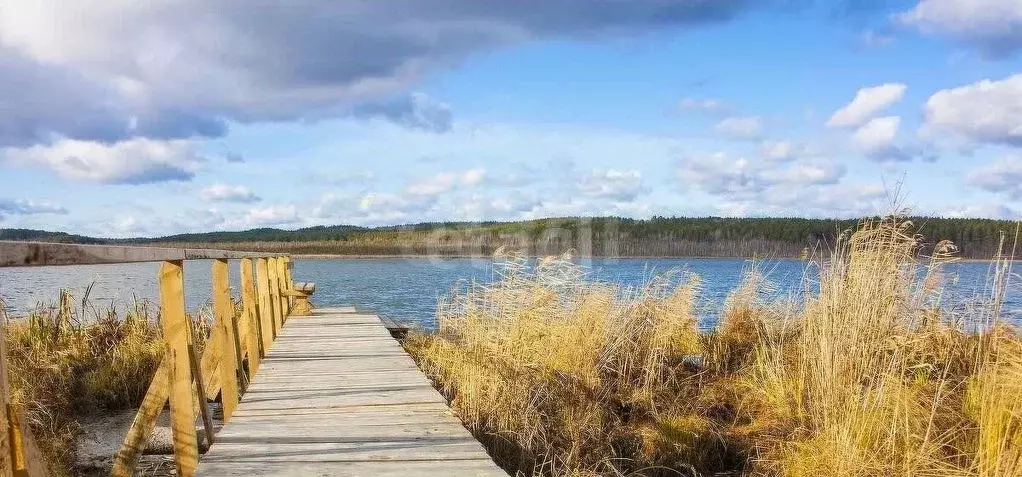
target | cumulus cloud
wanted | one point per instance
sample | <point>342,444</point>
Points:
<point>414,111</point>
<point>444,182</point>
<point>742,187</point>
<point>738,177</point>
<point>271,216</point>
<point>992,26</point>
<point>134,161</point>
<point>220,192</point>
<point>1002,177</point>
<point>9,207</point>
<point>741,127</point>
<point>622,186</point>
<point>781,151</point>
<point>867,102</point>
<point>876,138</point>
<point>111,71</point>
<point>982,112</point>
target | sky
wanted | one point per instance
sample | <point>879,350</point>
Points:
<point>124,118</point>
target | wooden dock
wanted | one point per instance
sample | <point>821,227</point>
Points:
<point>337,395</point>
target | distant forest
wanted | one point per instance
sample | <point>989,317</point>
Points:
<point>605,236</point>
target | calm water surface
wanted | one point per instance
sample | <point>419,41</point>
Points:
<point>408,289</point>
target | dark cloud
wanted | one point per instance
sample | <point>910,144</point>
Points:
<point>234,158</point>
<point>415,111</point>
<point>174,71</point>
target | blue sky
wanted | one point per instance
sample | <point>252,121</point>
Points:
<point>132,118</point>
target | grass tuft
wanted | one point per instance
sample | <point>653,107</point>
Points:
<point>869,374</point>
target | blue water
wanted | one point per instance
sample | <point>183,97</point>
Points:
<point>408,289</point>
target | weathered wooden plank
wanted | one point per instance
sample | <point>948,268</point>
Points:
<point>25,254</point>
<point>175,333</point>
<point>267,310</point>
<point>145,421</point>
<point>34,462</point>
<point>336,395</point>
<point>223,310</point>
<point>474,467</point>
<point>250,316</point>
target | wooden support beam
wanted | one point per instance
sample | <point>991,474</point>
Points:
<point>267,316</point>
<point>250,316</point>
<point>145,421</point>
<point>288,283</point>
<point>223,310</point>
<point>210,363</point>
<point>175,334</point>
<point>285,301</point>
<point>275,299</point>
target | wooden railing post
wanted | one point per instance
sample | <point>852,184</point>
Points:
<point>223,310</point>
<point>175,335</point>
<point>272,273</point>
<point>289,284</point>
<point>267,313</point>
<point>250,314</point>
<point>285,301</point>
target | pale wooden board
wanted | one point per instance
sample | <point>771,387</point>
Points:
<point>24,254</point>
<point>336,395</point>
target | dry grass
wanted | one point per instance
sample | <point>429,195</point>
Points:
<point>70,360</point>
<point>870,374</point>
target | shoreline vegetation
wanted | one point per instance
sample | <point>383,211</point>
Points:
<point>611,237</point>
<point>73,363</point>
<point>876,373</point>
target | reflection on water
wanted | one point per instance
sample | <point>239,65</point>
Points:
<point>408,289</point>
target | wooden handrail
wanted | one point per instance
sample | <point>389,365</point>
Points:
<point>186,381</point>
<point>235,343</point>
<point>29,254</point>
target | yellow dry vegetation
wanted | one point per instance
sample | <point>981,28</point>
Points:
<point>870,371</point>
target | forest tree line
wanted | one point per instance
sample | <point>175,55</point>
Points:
<point>604,236</point>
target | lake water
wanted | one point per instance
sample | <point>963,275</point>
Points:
<point>408,289</point>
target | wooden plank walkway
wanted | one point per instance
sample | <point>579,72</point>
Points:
<point>337,396</point>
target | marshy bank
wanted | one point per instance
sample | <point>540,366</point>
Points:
<point>871,372</point>
<point>79,373</point>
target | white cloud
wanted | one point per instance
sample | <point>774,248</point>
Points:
<point>135,161</point>
<point>1003,177</point>
<point>740,187</point>
<point>982,112</point>
<point>444,182</point>
<point>622,186</point>
<point>993,26</point>
<point>739,178</point>
<point>741,127</point>
<point>220,192</point>
<point>867,102</point>
<point>270,216</point>
<point>781,151</point>
<point>14,207</point>
<point>876,139</point>
<point>982,211</point>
